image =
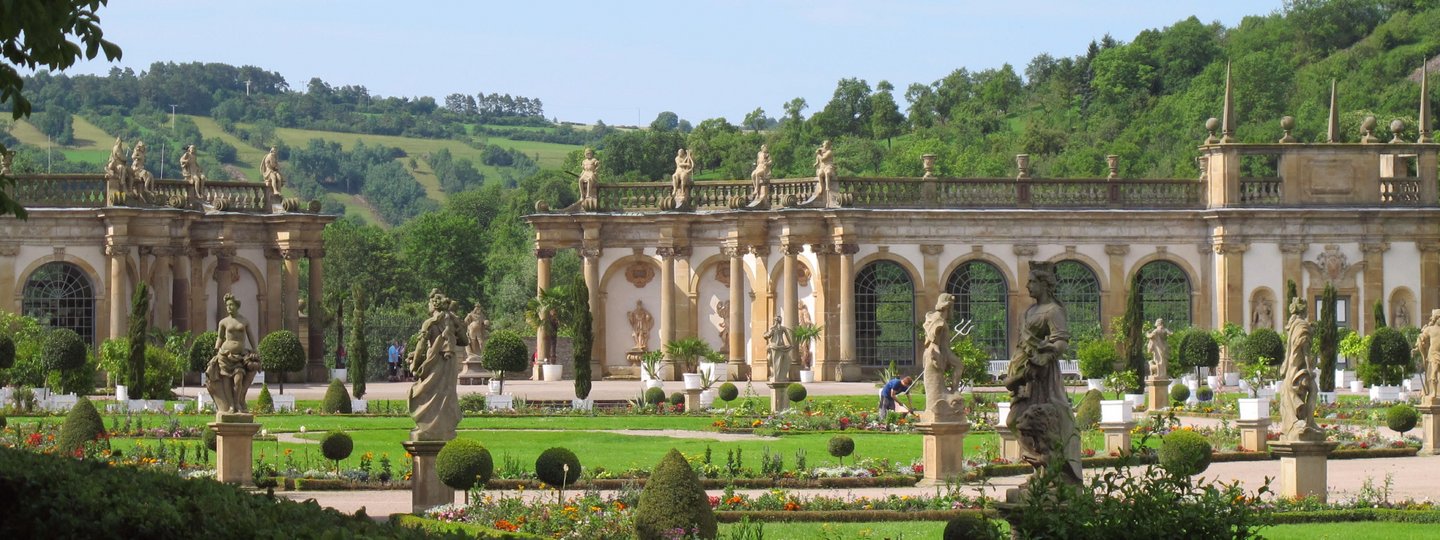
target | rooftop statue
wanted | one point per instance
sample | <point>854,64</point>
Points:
<point>270,171</point>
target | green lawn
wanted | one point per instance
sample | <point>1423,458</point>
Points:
<point>892,530</point>
<point>1349,531</point>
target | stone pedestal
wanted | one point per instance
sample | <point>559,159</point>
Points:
<point>1429,428</point>
<point>1117,437</point>
<point>778,400</point>
<point>1303,468</point>
<point>944,444</point>
<point>692,400</point>
<point>426,489</point>
<point>848,372</point>
<point>1252,434</point>
<point>1157,393</point>
<point>234,446</point>
<point>1009,444</point>
<point>471,371</point>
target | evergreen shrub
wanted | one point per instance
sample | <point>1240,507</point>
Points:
<point>796,392</point>
<point>654,396</point>
<point>1185,452</point>
<point>728,392</point>
<point>673,499</point>
<point>336,400</point>
<point>1402,418</point>
<point>1087,415</point>
<point>464,463</point>
<point>550,467</point>
<point>82,425</point>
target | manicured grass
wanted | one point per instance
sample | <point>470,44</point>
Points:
<point>893,530</point>
<point>88,135</point>
<point>1346,531</point>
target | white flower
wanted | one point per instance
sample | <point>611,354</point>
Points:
<point>302,429</point>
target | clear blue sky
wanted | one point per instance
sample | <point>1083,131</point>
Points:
<point>629,60</point>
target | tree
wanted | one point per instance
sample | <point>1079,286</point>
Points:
<point>1327,334</point>
<point>1132,343</point>
<point>583,340</point>
<point>281,352</point>
<point>503,352</point>
<point>36,35</point>
<point>139,332</point>
<point>665,121</point>
<point>359,348</point>
<point>885,118</point>
<point>1379,313</point>
<point>755,120</point>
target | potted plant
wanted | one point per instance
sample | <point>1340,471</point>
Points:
<point>650,369</point>
<point>1231,338</point>
<point>1097,360</point>
<point>707,393</point>
<point>685,352</point>
<point>804,334</point>
<point>713,366</point>
<point>1387,364</point>
<point>1354,347</point>
<point>1121,381</point>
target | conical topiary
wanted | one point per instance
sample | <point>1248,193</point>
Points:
<point>1088,413</point>
<point>265,403</point>
<point>337,399</point>
<point>82,425</point>
<point>673,499</point>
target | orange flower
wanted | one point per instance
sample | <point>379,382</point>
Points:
<point>506,525</point>
<point>619,505</point>
<point>791,506</point>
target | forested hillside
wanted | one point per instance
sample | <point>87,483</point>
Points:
<point>455,175</point>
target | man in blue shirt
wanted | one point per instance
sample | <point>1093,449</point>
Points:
<point>394,360</point>
<point>891,392</point>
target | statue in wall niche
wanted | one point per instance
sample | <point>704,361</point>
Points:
<point>270,171</point>
<point>477,328</point>
<point>235,363</point>
<point>824,170</point>
<point>942,390</point>
<point>190,170</point>
<point>640,324</point>
<point>1264,315</point>
<point>589,176</point>
<point>434,403</point>
<point>116,172</point>
<point>721,318</point>
<point>1159,348</point>
<point>781,344</point>
<point>1039,407</point>
<point>760,177</point>
<point>1428,345</point>
<point>683,178</point>
<point>1298,388</point>
<point>138,173</point>
<point>1402,314</point>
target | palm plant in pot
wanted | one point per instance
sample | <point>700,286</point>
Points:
<point>804,334</point>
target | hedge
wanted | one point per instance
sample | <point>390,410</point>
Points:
<point>451,529</point>
<point>847,516</point>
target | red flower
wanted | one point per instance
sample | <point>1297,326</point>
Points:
<point>714,501</point>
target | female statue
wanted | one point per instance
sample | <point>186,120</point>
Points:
<point>1428,345</point>
<point>434,404</point>
<point>589,176</point>
<point>1159,350</point>
<point>1039,408</point>
<point>1297,398</point>
<point>683,178</point>
<point>760,177</point>
<point>780,342</point>
<point>233,368</point>
<point>824,169</point>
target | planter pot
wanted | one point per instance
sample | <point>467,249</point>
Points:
<point>1116,411</point>
<point>259,379</point>
<point>582,404</point>
<point>692,381</point>
<point>1384,393</point>
<point>807,376</point>
<point>500,403</point>
<point>1094,384</point>
<point>1232,379</point>
<point>716,372</point>
<point>1267,393</point>
<point>1343,377</point>
<point>1357,386</point>
<point>122,394</point>
<point>1245,386</point>
<point>708,397</point>
<point>494,387</point>
<point>1212,381</point>
<point>1327,398</point>
<point>340,373</point>
<point>654,383</point>
<point>358,406</point>
<point>1254,408</point>
<point>1136,400</point>
<point>284,403</point>
<point>1003,415</point>
<point>552,372</point>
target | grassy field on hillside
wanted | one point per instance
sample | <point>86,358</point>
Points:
<point>551,155</point>
<point>247,157</point>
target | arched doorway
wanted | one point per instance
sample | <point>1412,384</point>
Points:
<point>60,295</point>
<point>982,296</point>
<point>1079,291</point>
<point>884,315</point>
<point>1164,293</point>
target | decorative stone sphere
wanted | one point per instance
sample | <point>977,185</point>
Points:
<point>1287,123</point>
<point>1368,124</point>
<point>542,206</point>
<point>1397,125</point>
<point>1212,124</point>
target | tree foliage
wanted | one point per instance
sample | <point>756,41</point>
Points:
<point>139,335</point>
<point>359,345</point>
<point>280,353</point>
<point>1327,335</point>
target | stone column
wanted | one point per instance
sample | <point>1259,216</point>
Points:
<point>791,303</point>
<point>930,275</point>
<point>273,319</point>
<point>426,489</point>
<point>224,278</point>
<point>1022,300</point>
<point>119,300</point>
<point>162,287</point>
<point>849,369</point>
<point>1009,443</point>
<point>234,448</point>
<point>1374,255</point>
<point>1230,285</point>
<point>199,289</point>
<point>291,295</point>
<point>1253,433</point>
<point>1114,303</point>
<point>542,333</point>
<point>736,323</point>
<point>1429,277</point>
<point>944,451</point>
<point>668,370</point>
<point>590,261</point>
<point>779,398</point>
<point>8,302</point>
<point>1303,468</point>
<point>692,400</point>
<point>760,317</point>
<point>1429,426</point>
<point>1157,393</point>
<point>1117,437</point>
<point>315,351</point>
<point>825,356</point>
<point>1292,256</point>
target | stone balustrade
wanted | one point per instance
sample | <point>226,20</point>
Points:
<point>89,191</point>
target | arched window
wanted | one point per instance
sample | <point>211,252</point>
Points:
<point>884,315</point>
<point>1164,293</point>
<point>1079,291</point>
<point>982,297</point>
<point>59,294</point>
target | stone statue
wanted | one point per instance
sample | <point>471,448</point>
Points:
<point>7,162</point>
<point>116,172</point>
<point>1298,388</point>
<point>1428,345</point>
<point>589,176</point>
<point>190,170</point>
<point>937,358</point>
<point>138,174</point>
<point>1264,315</point>
<point>781,344</point>
<point>1159,350</point>
<point>683,178</point>
<point>640,324</point>
<point>721,318</point>
<point>1402,314</point>
<point>824,171</point>
<point>477,328</point>
<point>1039,407</point>
<point>270,171</point>
<point>233,368</point>
<point>434,404</point>
<point>760,177</point>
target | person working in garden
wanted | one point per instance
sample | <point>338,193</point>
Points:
<point>890,393</point>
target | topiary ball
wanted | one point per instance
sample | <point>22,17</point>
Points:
<point>971,526</point>
<point>207,436</point>
<point>654,396</point>
<point>337,445</point>
<point>796,392</point>
<point>1402,417</point>
<point>728,392</point>
<point>82,425</point>
<point>463,464</point>
<point>841,446</point>
<point>1205,393</point>
<point>63,350</point>
<point>1179,393</point>
<point>677,398</point>
<point>673,499</point>
<point>337,399</point>
<point>550,467</point>
<point>201,351</point>
<point>1185,452</point>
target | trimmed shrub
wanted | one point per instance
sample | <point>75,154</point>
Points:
<point>654,396</point>
<point>265,403</point>
<point>1097,358</point>
<point>582,345</point>
<point>359,347</point>
<point>463,464</point>
<point>677,398</point>
<point>1205,393</point>
<point>1389,358</point>
<point>1199,349</point>
<point>472,403</point>
<point>7,352</point>
<point>63,350</point>
<point>1179,393</point>
<point>139,331</point>
<point>337,399</point>
<point>1263,343</point>
<point>207,436</point>
<point>1087,415</point>
<point>1185,452</point>
<point>280,353</point>
<point>337,446</point>
<point>82,425</point>
<point>504,351</point>
<point>202,350</point>
<point>841,447</point>
<point>728,392</point>
<point>971,526</point>
<point>1402,418</point>
<point>550,467</point>
<point>796,392</point>
<point>673,499</point>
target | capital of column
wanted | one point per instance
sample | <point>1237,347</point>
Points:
<point>591,252</point>
<point>936,249</point>
<point>147,250</point>
<point>671,252</point>
<point>544,253</point>
<point>1427,247</point>
<point>1379,247</point>
<point>1025,250</point>
<point>274,254</point>
<point>733,252</point>
<point>763,250</point>
<point>1117,249</point>
<point>116,251</point>
<point>315,253</point>
<point>1293,247</point>
<point>227,252</point>
<point>791,249</point>
<point>847,249</point>
<point>1231,248</point>
<point>822,249</point>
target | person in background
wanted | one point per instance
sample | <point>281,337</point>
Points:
<point>891,392</point>
<point>393,360</point>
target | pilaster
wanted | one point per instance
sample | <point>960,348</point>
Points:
<point>1230,283</point>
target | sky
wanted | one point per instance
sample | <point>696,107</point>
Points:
<point>624,62</point>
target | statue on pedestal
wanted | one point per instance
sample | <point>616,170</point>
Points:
<point>760,178</point>
<point>117,174</point>
<point>233,368</point>
<point>138,174</point>
<point>434,404</point>
<point>1428,345</point>
<point>1298,388</point>
<point>781,345</point>
<point>589,177</point>
<point>1039,407</point>
<point>270,171</point>
<point>477,328</point>
<point>640,324</point>
<point>190,171</point>
<point>683,178</point>
<point>1159,347</point>
<point>937,358</point>
<point>824,173</point>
